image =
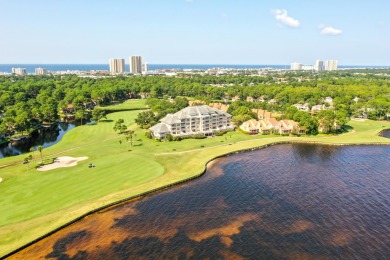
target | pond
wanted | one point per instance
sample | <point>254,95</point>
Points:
<point>44,137</point>
<point>294,201</point>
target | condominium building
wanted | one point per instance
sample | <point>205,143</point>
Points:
<point>307,67</point>
<point>331,65</point>
<point>296,66</point>
<point>117,66</point>
<point>19,71</point>
<point>40,71</point>
<point>145,67</point>
<point>193,120</point>
<point>319,66</point>
<point>136,64</point>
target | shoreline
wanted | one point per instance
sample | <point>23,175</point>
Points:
<point>208,164</point>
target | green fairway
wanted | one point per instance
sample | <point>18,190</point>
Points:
<point>131,104</point>
<point>33,203</point>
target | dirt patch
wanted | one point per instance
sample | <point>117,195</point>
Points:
<point>63,161</point>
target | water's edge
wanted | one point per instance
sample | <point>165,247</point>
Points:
<point>143,194</point>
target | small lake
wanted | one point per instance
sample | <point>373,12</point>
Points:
<point>44,137</point>
<point>293,201</point>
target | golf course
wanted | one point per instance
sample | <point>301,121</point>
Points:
<point>33,203</point>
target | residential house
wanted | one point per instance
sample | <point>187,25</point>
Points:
<point>259,112</point>
<point>264,114</point>
<point>250,99</point>
<point>328,100</point>
<point>196,102</point>
<point>274,123</point>
<point>144,95</point>
<point>317,108</point>
<point>236,98</point>
<point>272,102</point>
<point>251,126</point>
<point>286,127</point>
<point>220,106</point>
<point>305,107</point>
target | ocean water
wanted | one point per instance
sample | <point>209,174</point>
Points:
<point>88,67</point>
<point>293,201</point>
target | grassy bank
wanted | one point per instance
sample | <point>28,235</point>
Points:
<point>33,203</point>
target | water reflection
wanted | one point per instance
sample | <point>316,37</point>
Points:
<point>44,137</point>
<point>285,201</point>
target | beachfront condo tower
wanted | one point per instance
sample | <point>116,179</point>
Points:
<point>136,64</point>
<point>117,66</point>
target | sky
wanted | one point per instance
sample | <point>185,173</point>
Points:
<point>355,32</point>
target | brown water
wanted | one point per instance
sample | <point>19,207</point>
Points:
<point>284,202</point>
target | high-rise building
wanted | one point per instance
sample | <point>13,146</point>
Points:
<point>117,66</point>
<point>19,71</point>
<point>145,67</point>
<point>319,66</point>
<point>40,71</point>
<point>136,64</point>
<point>331,65</point>
<point>296,66</point>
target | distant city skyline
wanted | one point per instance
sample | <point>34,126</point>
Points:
<point>195,31</point>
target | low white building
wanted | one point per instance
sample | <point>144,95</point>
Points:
<point>304,107</point>
<point>193,120</point>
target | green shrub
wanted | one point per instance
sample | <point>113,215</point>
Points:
<point>177,138</point>
<point>198,136</point>
<point>169,138</point>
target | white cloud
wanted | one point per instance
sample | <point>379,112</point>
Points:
<point>328,30</point>
<point>282,16</point>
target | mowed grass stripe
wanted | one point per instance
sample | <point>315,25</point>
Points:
<point>64,187</point>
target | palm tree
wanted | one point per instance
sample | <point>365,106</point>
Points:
<point>32,150</point>
<point>130,135</point>
<point>27,161</point>
<point>40,148</point>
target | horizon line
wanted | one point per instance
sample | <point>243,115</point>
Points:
<point>228,64</point>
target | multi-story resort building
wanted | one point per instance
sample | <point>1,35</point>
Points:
<point>40,71</point>
<point>19,71</point>
<point>135,64</point>
<point>331,65</point>
<point>296,66</point>
<point>319,65</point>
<point>117,66</point>
<point>193,120</point>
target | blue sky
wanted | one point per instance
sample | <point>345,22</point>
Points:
<point>195,32</point>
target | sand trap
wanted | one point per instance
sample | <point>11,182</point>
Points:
<point>359,119</point>
<point>1,179</point>
<point>63,161</point>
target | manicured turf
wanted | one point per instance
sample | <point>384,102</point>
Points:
<point>131,104</point>
<point>33,203</point>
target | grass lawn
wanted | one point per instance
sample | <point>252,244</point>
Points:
<point>33,203</point>
<point>131,104</point>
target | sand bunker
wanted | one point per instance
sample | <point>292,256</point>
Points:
<point>1,179</point>
<point>63,161</point>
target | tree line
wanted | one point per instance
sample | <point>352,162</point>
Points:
<point>26,102</point>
